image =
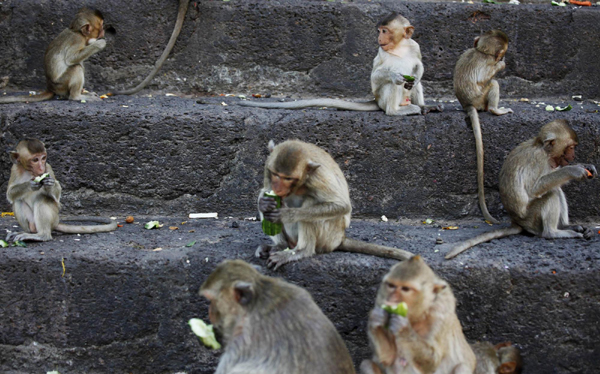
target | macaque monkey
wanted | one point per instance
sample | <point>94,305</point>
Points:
<point>510,358</point>
<point>270,326</point>
<point>315,209</point>
<point>430,338</point>
<point>36,204</point>
<point>64,57</point>
<point>398,55</point>
<point>530,187</point>
<point>183,6</point>
<point>476,89</point>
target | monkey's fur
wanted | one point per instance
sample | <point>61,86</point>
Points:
<point>270,326</point>
<point>530,187</point>
<point>316,214</point>
<point>476,89</point>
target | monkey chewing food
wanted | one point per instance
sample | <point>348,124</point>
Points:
<point>41,177</point>
<point>400,309</point>
<point>205,333</point>
<point>269,227</point>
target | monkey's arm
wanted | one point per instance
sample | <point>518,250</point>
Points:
<point>424,349</point>
<point>557,178</point>
<point>383,341</point>
<point>313,213</point>
<point>85,53</point>
<point>16,190</point>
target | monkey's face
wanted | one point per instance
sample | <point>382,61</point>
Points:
<point>36,164</point>
<point>568,156</point>
<point>283,185</point>
<point>390,36</point>
<point>396,291</point>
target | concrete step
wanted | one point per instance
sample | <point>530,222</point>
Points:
<point>122,305</point>
<point>309,47</point>
<point>172,156</point>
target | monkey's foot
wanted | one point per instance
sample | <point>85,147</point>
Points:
<point>11,235</point>
<point>432,108</point>
<point>23,236</point>
<point>500,111</point>
<point>585,231</point>
<point>263,251</point>
<point>277,259</point>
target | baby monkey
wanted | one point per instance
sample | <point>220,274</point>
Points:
<point>315,209</point>
<point>64,57</point>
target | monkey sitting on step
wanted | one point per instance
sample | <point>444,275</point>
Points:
<point>270,326</point>
<point>530,187</point>
<point>64,57</point>
<point>315,209</point>
<point>398,56</point>
<point>36,203</point>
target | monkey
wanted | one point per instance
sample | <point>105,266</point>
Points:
<point>510,359</point>
<point>270,326</point>
<point>64,57</point>
<point>398,55</point>
<point>36,204</point>
<point>530,187</point>
<point>315,209</point>
<point>430,338</point>
<point>476,89</point>
<point>183,6</point>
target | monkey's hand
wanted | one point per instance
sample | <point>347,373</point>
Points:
<point>98,43</point>
<point>48,182</point>
<point>273,215</point>
<point>267,204</point>
<point>582,172</point>
<point>378,318</point>
<point>35,185</point>
<point>397,324</point>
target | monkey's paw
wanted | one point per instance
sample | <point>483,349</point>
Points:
<point>11,235</point>
<point>585,231</point>
<point>397,323</point>
<point>378,317</point>
<point>263,251</point>
<point>280,258</point>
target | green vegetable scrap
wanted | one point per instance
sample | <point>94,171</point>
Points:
<point>269,227</point>
<point>409,78</point>
<point>564,109</point>
<point>190,243</point>
<point>400,309</point>
<point>556,3</point>
<point>489,2</point>
<point>152,224</point>
<point>41,177</point>
<point>18,243</point>
<point>3,243</point>
<point>205,332</point>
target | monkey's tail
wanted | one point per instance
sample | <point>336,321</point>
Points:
<point>368,106</point>
<point>479,149</point>
<point>496,234</point>
<point>183,6</point>
<point>46,95</point>
<point>108,225</point>
<point>357,246</point>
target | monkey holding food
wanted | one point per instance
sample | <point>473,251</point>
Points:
<point>530,187</point>
<point>64,57</point>
<point>428,339</point>
<point>34,194</point>
<point>476,89</point>
<point>315,208</point>
<point>270,326</point>
<point>395,78</point>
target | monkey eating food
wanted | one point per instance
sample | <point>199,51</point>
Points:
<point>395,78</point>
<point>36,202</point>
<point>530,187</point>
<point>64,57</point>
<point>476,89</point>
<point>270,326</point>
<point>315,208</point>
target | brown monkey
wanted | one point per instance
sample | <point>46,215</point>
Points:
<point>315,208</point>
<point>398,55</point>
<point>270,325</point>
<point>183,6</point>
<point>510,359</point>
<point>36,204</point>
<point>530,187</point>
<point>476,89</point>
<point>64,57</point>
<point>430,338</point>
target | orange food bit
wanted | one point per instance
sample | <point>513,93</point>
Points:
<point>589,173</point>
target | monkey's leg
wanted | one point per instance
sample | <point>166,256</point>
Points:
<point>45,215</point>
<point>391,96</point>
<point>551,214</point>
<point>307,241</point>
<point>494,99</point>
<point>24,216</point>
<point>70,82</point>
<point>564,219</point>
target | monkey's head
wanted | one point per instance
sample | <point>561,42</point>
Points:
<point>230,288</point>
<point>559,141</point>
<point>412,282</point>
<point>31,155</point>
<point>392,30</point>
<point>493,43</point>
<point>288,167</point>
<point>90,23</point>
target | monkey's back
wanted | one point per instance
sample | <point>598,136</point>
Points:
<point>466,79</point>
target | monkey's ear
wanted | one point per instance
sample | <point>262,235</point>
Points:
<point>408,32</point>
<point>14,157</point>
<point>210,295</point>
<point>475,42</point>
<point>271,145</point>
<point>311,167</point>
<point>438,287</point>
<point>86,29</point>
<point>507,367</point>
<point>244,292</point>
<point>549,140</point>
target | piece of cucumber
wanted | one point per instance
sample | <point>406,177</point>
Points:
<point>269,227</point>
<point>41,177</point>
<point>204,332</point>
<point>409,78</point>
<point>400,309</point>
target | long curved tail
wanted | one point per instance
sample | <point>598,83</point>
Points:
<point>108,225</point>
<point>368,106</point>
<point>357,246</point>
<point>496,234</point>
<point>46,95</point>
<point>472,112</point>
<point>183,6</point>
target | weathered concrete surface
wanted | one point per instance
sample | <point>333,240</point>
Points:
<point>172,156</point>
<point>122,307</point>
<point>308,47</point>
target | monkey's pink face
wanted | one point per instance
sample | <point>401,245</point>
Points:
<point>282,184</point>
<point>386,38</point>
<point>37,164</point>
<point>568,156</point>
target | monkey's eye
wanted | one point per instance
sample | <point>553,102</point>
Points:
<point>289,179</point>
<point>390,287</point>
<point>36,159</point>
<point>405,289</point>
